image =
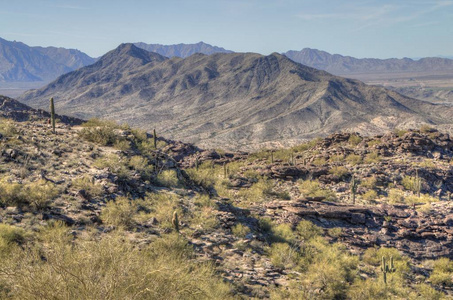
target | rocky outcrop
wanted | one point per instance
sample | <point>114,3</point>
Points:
<point>417,234</point>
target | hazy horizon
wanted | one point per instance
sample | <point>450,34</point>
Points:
<point>377,29</point>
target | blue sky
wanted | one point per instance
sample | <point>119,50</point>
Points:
<point>366,28</point>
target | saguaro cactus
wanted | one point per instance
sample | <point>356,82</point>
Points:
<point>155,138</point>
<point>52,115</point>
<point>353,187</point>
<point>225,170</point>
<point>417,184</point>
<point>385,268</point>
<point>175,221</point>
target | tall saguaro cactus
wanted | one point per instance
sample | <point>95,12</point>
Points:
<point>52,115</point>
<point>155,138</point>
<point>353,187</point>
<point>417,184</point>
<point>175,221</point>
<point>385,268</point>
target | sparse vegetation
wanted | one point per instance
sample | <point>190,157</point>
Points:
<point>119,212</point>
<point>112,267</point>
<point>240,230</point>
<point>311,188</point>
<point>354,159</point>
<point>354,139</point>
<point>142,220</point>
<point>339,171</point>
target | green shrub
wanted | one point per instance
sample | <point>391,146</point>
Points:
<point>374,143</point>
<point>367,289</point>
<point>12,193</point>
<point>168,178</point>
<point>306,146</point>
<point>427,164</point>
<point>337,158</point>
<point>426,128</point>
<point>203,177</point>
<point>369,182</point>
<point>37,194</point>
<point>400,132</point>
<point>442,273</point>
<point>335,232</point>
<point>283,256</point>
<point>119,212</point>
<point>306,230</point>
<point>354,139</point>
<point>263,154</point>
<point>240,230</point>
<point>100,132</point>
<point>429,293</point>
<point>251,174</point>
<point>354,159</point>
<point>373,256</point>
<point>116,164</point>
<point>111,267</point>
<point>330,272</point>
<point>161,206</point>
<point>283,233</point>
<point>411,183</point>
<point>395,196</point>
<point>8,128</point>
<point>319,161</point>
<point>370,195</point>
<point>312,188</point>
<point>86,183</point>
<point>372,157</point>
<point>339,171</point>
<point>10,237</point>
<point>41,193</point>
<point>259,191</point>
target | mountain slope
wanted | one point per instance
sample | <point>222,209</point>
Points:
<point>342,65</point>
<point>19,112</point>
<point>182,50</point>
<point>233,100</point>
<point>21,63</point>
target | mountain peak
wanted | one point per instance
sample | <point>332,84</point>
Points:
<point>182,50</point>
<point>129,54</point>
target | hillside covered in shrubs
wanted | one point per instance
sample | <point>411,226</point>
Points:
<point>104,211</point>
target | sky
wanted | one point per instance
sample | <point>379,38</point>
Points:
<point>359,28</point>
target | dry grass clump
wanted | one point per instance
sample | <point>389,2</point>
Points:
<point>312,188</point>
<point>101,132</point>
<point>37,195</point>
<point>119,212</point>
<point>111,267</point>
<point>87,184</point>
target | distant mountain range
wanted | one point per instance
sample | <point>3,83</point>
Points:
<point>182,50</point>
<point>344,65</point>
<point>22,63</point>
<point>230,100</point>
